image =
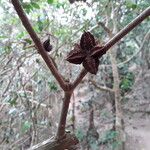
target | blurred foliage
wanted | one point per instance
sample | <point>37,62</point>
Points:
<point>127,82</point>
<point>26,126</point>
<point>80,134</point>
<point>52,86</point>
<point>109,136</point>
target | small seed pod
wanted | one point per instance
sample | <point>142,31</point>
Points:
<point>47,46</point>
<point>71,1</point>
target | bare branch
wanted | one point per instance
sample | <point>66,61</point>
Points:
<point>62,122</point>
<point>146,38</point>
<point>102,88</point>
<point>127,29</point>
<point>104,27</point>
<point>79,78</point>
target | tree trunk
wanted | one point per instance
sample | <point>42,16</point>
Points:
<point>69,142</point>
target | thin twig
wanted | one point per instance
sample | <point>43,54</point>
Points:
<point>102,88</point>
<point>79,78</point>
<point>127,29</point>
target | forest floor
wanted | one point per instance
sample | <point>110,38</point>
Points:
<point>138,132</point>
<point>137,127</point>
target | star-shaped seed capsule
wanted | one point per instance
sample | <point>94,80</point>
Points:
<point>87,52</point>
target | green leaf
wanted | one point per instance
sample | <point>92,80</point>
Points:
<point>26,126</point>
<point>52,86</point>
<point>127,82</point>
<point>20,35</point>
<point>109,136</point>
<point>3,37</point>
<point>80,134</point>
<point>28,41</point>
<point>50,1</point>
<point>35,5</point>
<point>131,4</point>
<point>13,101</point>
<point>23,95</point>
<point>28,7</point>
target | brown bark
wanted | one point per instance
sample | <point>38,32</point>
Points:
<point>64,111</point>
<point>68,141</point>
<point>116,82</point>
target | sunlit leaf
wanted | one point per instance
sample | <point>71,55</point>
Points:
<point>20,35</point>
<point>35,5</point>
<point>28,7</point>
<point>131,4</point>
<point>29,41</point>
<point>3,37</point>
<point>50,1</point>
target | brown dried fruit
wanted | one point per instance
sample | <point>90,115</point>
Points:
<point>91,65</point>
<point>76,56</point>
<point>87,41</point>
<point>72,1</point>
<point>47,46</point>
<point>88,53</point>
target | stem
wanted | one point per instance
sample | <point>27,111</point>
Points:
<point>64,111</point>
<point>79,78</point>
